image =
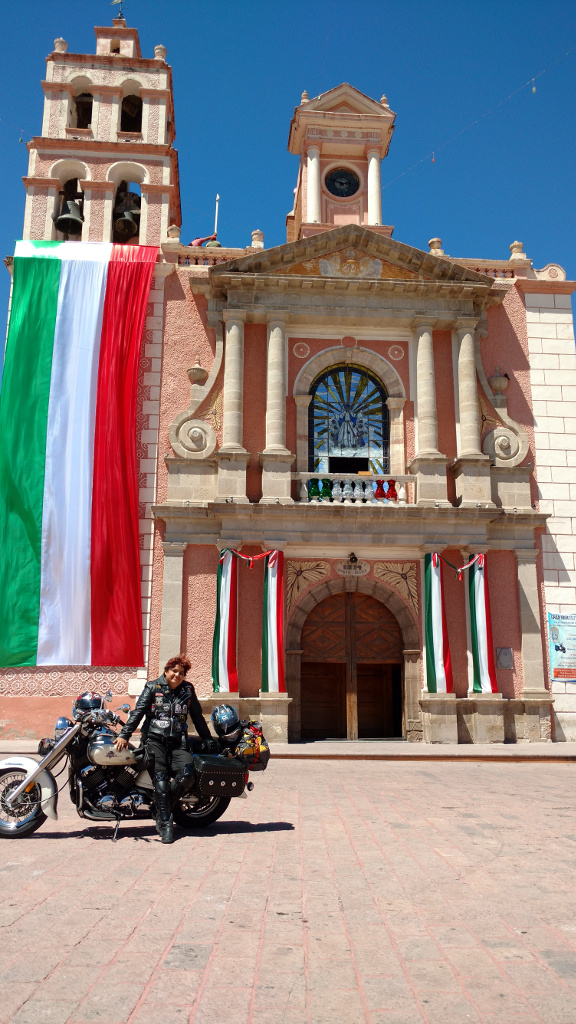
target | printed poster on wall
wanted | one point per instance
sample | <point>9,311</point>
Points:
<point>562,643</point>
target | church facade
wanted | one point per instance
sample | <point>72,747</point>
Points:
<point>344,398</point>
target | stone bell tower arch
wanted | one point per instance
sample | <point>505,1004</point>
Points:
<point>107,132</point>
<point>341,137</point>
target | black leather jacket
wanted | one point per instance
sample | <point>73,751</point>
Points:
<point>166,712</point>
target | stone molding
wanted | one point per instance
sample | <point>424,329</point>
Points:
<point>363,357</point>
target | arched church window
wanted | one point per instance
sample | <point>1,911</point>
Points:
<point>83,104</point>
<point>349,426</point>
<point>131,114</point>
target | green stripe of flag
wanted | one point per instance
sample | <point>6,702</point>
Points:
<point>25,387</point>
<point>477,685</point>
<point>430,662</point>
<point>216,637</point>
<point>265,640</point>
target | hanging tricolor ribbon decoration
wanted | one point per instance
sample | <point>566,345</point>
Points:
<point>438,663</point>
<point>273,625</point>
<point>69,545</point>
<point>481,628</point>
<point>224,669</point>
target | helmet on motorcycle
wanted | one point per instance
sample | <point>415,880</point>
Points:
<point>86,702</point>
<point>226,722</point>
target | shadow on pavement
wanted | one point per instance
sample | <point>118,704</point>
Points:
<point>148,832</point>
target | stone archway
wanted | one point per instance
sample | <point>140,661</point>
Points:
<point>411,651</point>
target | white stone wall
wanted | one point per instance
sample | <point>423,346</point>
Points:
<point>553,381</point>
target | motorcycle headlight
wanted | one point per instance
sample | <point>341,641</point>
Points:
<point>62,726</point>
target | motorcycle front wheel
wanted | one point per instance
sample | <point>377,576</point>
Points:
<point>26,815</point>
<point>204,812</point>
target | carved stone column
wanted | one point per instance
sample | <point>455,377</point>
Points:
<point>374,188</point>
<point>171,615</point>
<point>471,468</point>
<point>313,215</point>
<point>397,452</point>
<point>429,465</point>
<point>537,699</point>
<point>232,456</point>
<point>276,460</point>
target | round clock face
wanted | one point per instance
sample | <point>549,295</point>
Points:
<point>342,182</point>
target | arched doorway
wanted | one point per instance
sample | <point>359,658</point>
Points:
<point>351,670</point>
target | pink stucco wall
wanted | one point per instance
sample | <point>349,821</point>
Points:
<point>199,609</point>
<point>454,600</point>
<point>502,575</point>
<point>250,598</point>
<point>186,338</point>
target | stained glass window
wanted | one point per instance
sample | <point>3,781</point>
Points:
<point>349,423</point>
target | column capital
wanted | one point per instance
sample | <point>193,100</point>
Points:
<point>234,314</point>
<point>278,317</point>
<point>174,547</point>
<point>466,323</point>
<point>313,149</point>
<point>302,401</point>
<point>526,556</point>
<point>373,151</point>
<point>395,403</point>
<point>421,322</point>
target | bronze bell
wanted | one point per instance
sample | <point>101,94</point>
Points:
<point>127,215</point>
<point>70,220</point>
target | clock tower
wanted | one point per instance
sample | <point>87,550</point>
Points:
<point>341,138</point>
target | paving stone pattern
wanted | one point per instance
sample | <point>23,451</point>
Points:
<point>337,893</point>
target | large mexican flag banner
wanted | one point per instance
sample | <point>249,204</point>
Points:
<point>69,551</point>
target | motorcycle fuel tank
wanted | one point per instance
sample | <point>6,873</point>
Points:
<point>101,750</point>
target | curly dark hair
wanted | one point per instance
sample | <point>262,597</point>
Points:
<point>178,660</point>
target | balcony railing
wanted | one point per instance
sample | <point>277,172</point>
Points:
<point>352,489</point>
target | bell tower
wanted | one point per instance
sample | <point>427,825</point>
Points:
<point>341,138</point>
<point>104,168</point>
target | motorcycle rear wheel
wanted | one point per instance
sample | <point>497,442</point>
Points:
<point>24,817</point>
<point>204,812</point>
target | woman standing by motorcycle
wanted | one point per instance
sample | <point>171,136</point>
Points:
<point>165,703</point>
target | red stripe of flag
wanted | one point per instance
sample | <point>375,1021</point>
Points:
<point>232,625</point>
<point>115,551</point>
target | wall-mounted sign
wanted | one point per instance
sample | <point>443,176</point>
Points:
<point>562,643</point>
<point>346,568</point>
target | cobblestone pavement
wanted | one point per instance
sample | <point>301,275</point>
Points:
<point>337,893</point>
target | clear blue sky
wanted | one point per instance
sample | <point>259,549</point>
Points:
<point>240,67</point>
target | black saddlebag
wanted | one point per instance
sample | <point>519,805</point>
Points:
<point>218,775</point>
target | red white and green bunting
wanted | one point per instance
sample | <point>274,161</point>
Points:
<point>481,628</point>
<point>224,669</point>
<point>69,545</point>
<point>438,663</point>
<point>273,625</point>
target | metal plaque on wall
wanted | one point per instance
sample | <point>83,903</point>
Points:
<point>346,568</point>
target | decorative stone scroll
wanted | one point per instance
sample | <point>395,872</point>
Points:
<point>403,576</point>
<point>506,445</point>
<point>194,438</point>
<point>191,438</point>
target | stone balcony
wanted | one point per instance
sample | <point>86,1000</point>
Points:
<point>353,489</point>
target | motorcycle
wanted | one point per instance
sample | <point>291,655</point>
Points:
<point>106,784</point>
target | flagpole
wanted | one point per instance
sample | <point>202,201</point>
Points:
<point>216,216</point>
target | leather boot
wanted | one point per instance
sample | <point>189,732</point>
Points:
<point>167,832</point>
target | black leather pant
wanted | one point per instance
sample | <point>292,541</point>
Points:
<point>166,759</point>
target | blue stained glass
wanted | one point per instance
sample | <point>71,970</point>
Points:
<point>348,420</point>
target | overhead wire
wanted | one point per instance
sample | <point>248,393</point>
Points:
<point>431,155</point>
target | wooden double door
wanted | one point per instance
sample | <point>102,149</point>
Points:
<point>351,670</point>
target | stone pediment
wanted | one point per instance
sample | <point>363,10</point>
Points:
<point>351,263</point>
<point>351,253</point>
<point>344,98</point>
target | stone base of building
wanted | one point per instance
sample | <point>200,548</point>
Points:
<point>444,718</point>
<point>486,718</point>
